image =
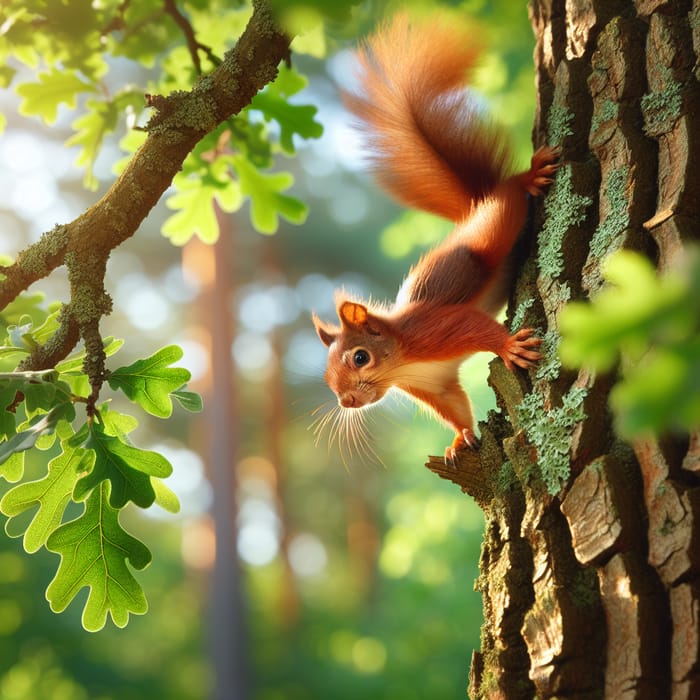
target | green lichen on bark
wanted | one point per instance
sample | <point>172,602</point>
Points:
<point>519,314</point>
<point>196,110</point>
<point>605,111</point>
<point>37,261</point>
<point>506,478</point>
<point>549,430</point>
<point>549,366</point>
<point>608,233</point>
<point>559,123</point>
<point>564,208</point>
<point>661,108</point>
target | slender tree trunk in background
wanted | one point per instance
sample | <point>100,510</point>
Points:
<point>591,554</point>
<point>227,626</point>
<point>276,419</point>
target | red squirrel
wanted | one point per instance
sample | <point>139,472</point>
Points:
<point>432,149</point>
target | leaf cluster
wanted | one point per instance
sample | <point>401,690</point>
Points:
<point>68,50</point>
<point>652,324</point>
<point>58,56</point>
<point>229,165</point>
<point>90,461</point>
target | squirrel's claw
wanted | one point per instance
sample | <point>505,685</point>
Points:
<point>542,166</point>
<point>451,457</point>
<point>464,440</point>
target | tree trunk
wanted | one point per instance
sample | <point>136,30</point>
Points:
<point>228,634</point>
<point>590,560</point>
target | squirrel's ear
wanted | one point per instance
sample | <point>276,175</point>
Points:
<point>356,316</point>
<point>326,332</point>
<point>352,314</point>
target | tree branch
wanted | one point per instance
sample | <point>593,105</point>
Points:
<point>85,243</point>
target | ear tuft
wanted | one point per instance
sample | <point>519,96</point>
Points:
<point>326,332</point>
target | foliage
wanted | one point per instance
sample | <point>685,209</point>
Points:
<point>62,56</point>
<point>77,42</point>
<point>652,323</point>
<point>93,462</point>
<point>53,658</point>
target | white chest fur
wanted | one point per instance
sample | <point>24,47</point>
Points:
<point>427,376</point>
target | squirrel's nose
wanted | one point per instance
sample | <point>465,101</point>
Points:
<point>347,400</point>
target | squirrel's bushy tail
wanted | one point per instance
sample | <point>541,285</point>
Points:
<point>431,147</point>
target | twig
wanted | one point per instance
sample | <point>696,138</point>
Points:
<point>192,44</point>
<point>117,22</point>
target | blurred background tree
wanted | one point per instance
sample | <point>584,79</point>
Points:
<point>354,578</point>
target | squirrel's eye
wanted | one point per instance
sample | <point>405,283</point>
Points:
<point>360,358</point>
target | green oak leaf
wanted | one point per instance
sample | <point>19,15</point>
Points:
<point>42,332</point>
<point>12,469</point>
<point>118,424</point>
<point>39,396</point>
<point>94,550</point>
<point>75,362</point>
<point>190,400</point>
<point>8,351</point>
<point>634,307</point>
<point>101,118</point>
<point>150,382</point>
<point>23,305</point>
<point>250,138</point>
<point>266,200</point>
<point>165,497</point>
<point>313,10</point>
<point>194,202</point>
<point>91,128</point>
<point>49,395</point>
<point>25,439</point>
<point>7,73</point>
<point>288,82</point>
<point>128,468</point>
<point>311,42</point>
<point>54,87</point>
<point>292,119</point>
<point>51,494</point>
<point>660,393</point>
<point>8,392</point>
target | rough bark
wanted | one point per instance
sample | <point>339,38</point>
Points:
<point>590,560</point>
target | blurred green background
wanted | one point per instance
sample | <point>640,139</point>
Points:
<point>356,574</point>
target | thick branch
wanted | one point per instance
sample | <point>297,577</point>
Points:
<point>183,119</point>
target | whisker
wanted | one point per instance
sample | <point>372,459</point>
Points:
<point>347,429</point>
<point>360,436</point>
<point>320,424</point>
<point>340,430</point>
<point>322,407</point>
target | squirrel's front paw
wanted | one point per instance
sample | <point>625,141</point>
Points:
<point>463,440</point>
<point>521,350</point>
<point>544,165</point>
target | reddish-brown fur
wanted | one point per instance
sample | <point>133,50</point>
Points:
<point>433,150</point>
